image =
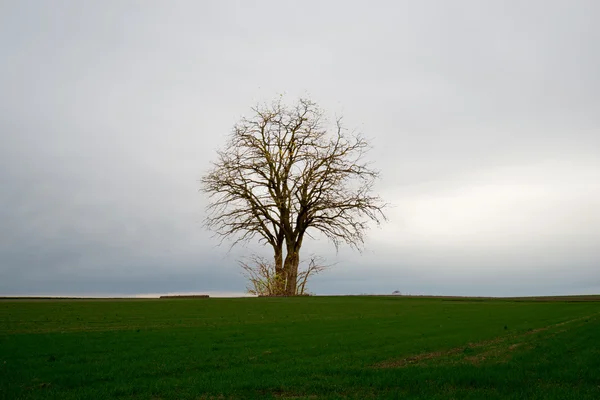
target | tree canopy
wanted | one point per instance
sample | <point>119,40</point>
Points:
<point>283,174</point>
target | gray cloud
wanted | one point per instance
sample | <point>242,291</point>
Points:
<point>483,117</point>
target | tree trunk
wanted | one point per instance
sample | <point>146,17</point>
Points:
<point>292,260</point>
<point>279,272</point>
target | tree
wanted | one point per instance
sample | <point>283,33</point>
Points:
<point>282,175</point>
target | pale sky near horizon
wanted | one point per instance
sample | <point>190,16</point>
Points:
<point>484,119</point>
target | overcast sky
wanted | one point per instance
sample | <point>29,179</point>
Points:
<point>484,117</point>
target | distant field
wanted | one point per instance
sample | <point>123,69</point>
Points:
<point>301,348</point>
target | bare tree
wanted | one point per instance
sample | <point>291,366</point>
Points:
<point>283,174</point>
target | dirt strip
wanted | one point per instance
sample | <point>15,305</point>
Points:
<point>419,358</point>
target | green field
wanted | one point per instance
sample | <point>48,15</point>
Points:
<point>300,348</point>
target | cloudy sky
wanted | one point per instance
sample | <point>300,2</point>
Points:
<point>484,117</point>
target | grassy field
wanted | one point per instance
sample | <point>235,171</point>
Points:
<point>300,348</point>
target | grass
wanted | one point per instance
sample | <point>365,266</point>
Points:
<point>300,348</point>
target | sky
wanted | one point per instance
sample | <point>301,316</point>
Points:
<point>483,116</point>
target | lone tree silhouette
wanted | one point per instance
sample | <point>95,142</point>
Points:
<point>282,175</point>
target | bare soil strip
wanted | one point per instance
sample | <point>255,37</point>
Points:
<point>493,348</point>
